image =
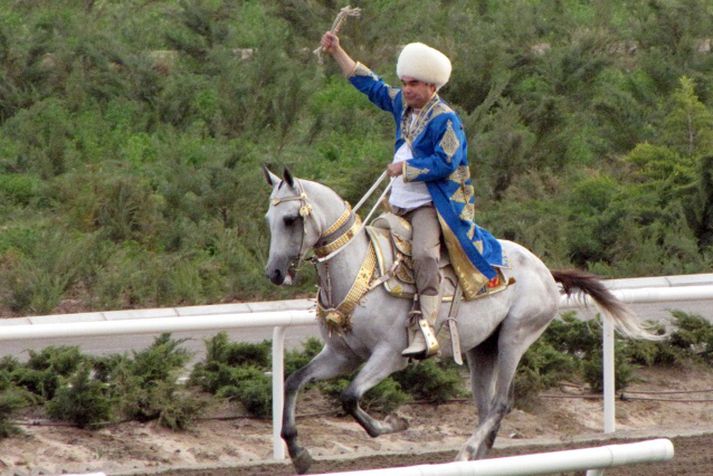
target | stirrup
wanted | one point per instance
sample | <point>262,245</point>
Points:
<point>425,340</point>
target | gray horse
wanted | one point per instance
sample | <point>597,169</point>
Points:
<point>494,332</point>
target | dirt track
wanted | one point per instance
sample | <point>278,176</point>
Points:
<point>243,446</point>
<point>693,457</point>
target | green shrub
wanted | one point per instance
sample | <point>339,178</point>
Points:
<point>44,369</point>
<point>238,353</point>
<point>236,371</point>
<point>693,335</point>
<point>148,387</point>
<point>222,357</point>
<point>249,386</point>
<point>18,188</point>
<point>384,398</point>
<point>542,367</point>
<point>36,274</point>
<point>10,401</point>
<point>593,373</point>
<point>82,400</point>
<point>436,381</point>
<point>296,359</point>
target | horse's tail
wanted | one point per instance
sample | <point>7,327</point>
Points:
<point>625,321</point>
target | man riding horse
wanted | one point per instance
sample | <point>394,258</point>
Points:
<point>432,188</point>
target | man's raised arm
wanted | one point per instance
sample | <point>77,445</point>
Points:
<point>330,43</point>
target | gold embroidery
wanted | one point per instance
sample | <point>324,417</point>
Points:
<point>323,251</point>
<point>449,143</point>
<point>411,131</point>
<point>469,277</point>
<point>459,196</point>
<point>479,246</point>
<point>441,108</point>
<point>469,192</point>
<point>361,70</point>
<point>460,175</point>
<point>471,231</point>
<point>410,173</point>
<point>340,221</point>
<point>468,212</point>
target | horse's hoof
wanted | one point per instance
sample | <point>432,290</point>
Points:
<point>302,461</point>
<point>466,454</point>
<point>397,423</point>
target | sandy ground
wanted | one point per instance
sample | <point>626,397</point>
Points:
<point>230,439</point>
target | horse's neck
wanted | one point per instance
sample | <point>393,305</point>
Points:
<point>337,274</point>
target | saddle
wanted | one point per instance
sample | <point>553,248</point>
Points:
<point>390,235</point>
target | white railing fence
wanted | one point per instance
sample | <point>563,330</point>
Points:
<point>593,460</point>
<point>223,316</point>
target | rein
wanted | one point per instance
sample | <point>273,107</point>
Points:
<point>346,242</point>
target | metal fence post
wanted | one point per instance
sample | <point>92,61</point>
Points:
<point>278,392</point>
<point>608,367</point>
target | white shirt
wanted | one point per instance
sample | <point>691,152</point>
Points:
<point>407,195</point>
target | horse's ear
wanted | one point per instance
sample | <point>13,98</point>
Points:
<point>271,178</point>
<point>287,175</point>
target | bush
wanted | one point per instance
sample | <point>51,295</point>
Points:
<point>10,401</point>
<point>540,368</point>
<point>249,386</point>
<point>82,400</point>
<point>384,398</point>
<point>436,381</point>
<point>148,387</point>
<point>236,371</point>
<point>296,359</point>
<point>222,357</point>
<point>19,188</point>
<point>43,371</point>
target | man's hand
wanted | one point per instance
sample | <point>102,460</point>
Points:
<point>394,170</point>
<point>329,42</point>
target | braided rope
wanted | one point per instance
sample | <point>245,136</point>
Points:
<point>339,20</point>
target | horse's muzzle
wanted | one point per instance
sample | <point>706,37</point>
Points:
<point>279,278</point>
<point>276,276</point>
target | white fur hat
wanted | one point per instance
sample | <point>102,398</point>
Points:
<point>424,63</point>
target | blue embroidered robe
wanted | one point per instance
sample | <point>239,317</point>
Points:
<point>439,148</point>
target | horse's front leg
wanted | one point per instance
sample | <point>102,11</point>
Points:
<point>326,364</point>
<point>382,363</point>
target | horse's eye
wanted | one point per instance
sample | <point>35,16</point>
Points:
<point>289,221</point>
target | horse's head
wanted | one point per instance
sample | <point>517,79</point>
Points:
<point>293,228</point>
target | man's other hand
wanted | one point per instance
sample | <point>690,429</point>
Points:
<point>394,170</point>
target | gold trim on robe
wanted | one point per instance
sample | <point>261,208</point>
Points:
<point>469,277</point>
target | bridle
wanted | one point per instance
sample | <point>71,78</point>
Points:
<point>331,241</point>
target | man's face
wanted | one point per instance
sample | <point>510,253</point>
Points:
<point>416,93</point>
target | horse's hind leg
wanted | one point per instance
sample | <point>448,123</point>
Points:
<point>482,362</point>
<point>382,363</point>
<point>511,345</point>
<point>326,364</point>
